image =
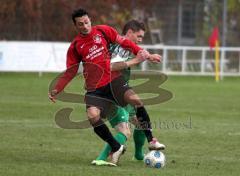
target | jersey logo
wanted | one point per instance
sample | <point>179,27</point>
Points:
<point>94,47</point>
<point>82,46</point>
<point>97,38</point>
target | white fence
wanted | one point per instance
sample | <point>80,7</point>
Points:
<point>188,60</point>
<point>178,60</point>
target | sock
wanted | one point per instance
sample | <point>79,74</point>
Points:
<point>145,123</point>
<point>120,137</point>
<point>101,129</point>
<point>139,139</point>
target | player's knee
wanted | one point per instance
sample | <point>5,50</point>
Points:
<point>137,102</point>
<point>126,132</point>
<point>132,98</point>
<point>93,114</point>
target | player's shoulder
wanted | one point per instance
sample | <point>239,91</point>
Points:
<point>104,27</point>
<point>75,41</point>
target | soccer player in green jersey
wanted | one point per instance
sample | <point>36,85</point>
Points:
<point>123,59</point>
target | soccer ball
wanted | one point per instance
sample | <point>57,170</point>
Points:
<point>155,159</point>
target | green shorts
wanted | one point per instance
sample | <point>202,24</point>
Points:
<point>122,115</point>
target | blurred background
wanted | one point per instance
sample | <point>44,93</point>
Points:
<point>175,22</point>
<point>169,23</point>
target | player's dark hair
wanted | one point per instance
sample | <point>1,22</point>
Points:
<point>78,13</point>
<point>133,25</point>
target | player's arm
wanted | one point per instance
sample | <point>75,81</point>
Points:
<point>72,63</point>
<point>115,66</point>
<point>119,65</point>
<point>156,58</point>
<point>122,65</point>
<point>114,37</point>
<point>135,49</point>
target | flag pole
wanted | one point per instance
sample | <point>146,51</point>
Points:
<point>217,61</point>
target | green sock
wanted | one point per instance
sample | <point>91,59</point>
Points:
<point>139,139</point>
<point>120,137</point>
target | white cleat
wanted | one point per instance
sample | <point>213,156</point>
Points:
<point>155,145</point>
<point>116,155</point>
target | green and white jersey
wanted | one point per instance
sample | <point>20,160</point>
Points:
<point>119,54</point>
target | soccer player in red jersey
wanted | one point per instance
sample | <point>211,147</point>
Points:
<point>103,87</point>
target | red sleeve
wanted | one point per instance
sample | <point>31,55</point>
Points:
<point>114,37</point>
<point>73,61</point>
<point>110,32</point>
<point>128,44</point>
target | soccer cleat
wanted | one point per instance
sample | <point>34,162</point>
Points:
<point>116,155</point>
<point>102,163</point>
<point>155,145</point>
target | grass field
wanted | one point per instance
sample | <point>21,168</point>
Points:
<point>200,127</point>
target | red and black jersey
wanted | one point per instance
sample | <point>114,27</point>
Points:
<point>92,51</point>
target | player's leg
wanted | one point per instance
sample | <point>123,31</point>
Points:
<point>120,137</point>
<point>143,118</point>
<point>125,95</point>
<point>139,140</point>
<point>94,104</point>
<point>120,122</point>
<point>101,160</point>
<point>123,127</point>
<point>138,134</point>
<point>100,128</point>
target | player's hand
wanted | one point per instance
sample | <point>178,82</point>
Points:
<point>156,58</point>
<point>143,55</point>
<point>52,95</point>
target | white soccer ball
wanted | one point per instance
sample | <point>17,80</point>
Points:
<point>155,159</point>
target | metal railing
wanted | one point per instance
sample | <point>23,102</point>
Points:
<point>200,60</point>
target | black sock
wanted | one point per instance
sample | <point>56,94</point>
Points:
<point>145,123</point>
<point>101,129</point>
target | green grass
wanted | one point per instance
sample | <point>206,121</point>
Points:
<point>32,144</point>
